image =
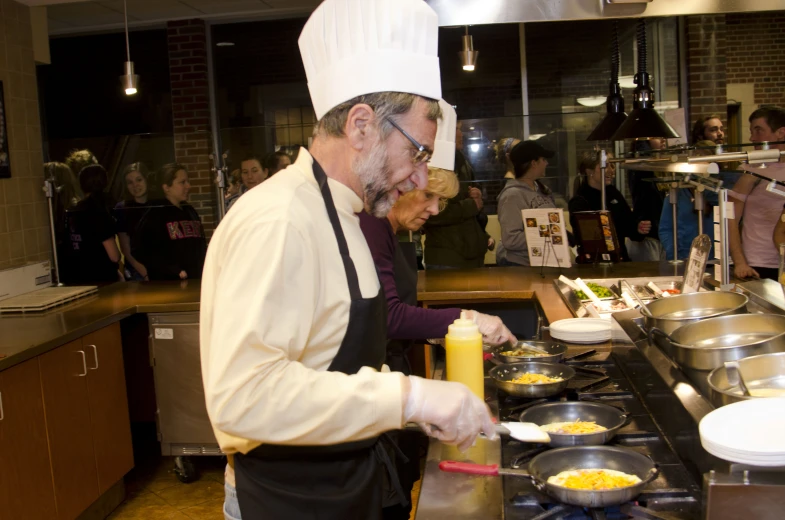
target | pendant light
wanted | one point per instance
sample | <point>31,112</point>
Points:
<point>614,105</point>
<point>468,54</point>
<point>644,122</point>
<point>129,80</point>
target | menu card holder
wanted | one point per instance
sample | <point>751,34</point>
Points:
<point>597,237</point>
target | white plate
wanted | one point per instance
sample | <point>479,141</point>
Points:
<point>750,428</point>
<point>581,330</point>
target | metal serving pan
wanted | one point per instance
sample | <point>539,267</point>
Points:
<point>668,314</point>
<point>708,344</point>
<point>766,371</point>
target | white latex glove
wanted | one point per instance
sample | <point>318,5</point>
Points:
<point>448,411</point>
<point>492,328</point>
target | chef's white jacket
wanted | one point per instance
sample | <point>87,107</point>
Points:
<point>274,310</point>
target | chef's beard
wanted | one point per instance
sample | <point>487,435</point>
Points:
<point>373,170</point>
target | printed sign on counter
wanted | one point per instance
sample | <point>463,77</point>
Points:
<point>546,237</point>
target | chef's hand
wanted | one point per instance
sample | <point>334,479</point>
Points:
<point>476,194</point>
<point>491,244</point>
<point>183,275</point>
<point>744,271</point>
<point>644,227</point>
<point>448,411</point>
<point>492,328</point>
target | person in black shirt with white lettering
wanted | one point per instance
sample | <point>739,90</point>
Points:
<point>170,241</point>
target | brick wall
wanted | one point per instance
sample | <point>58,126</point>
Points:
<point>756,54</point>
<point>706,65</point>
<point>191,112</point>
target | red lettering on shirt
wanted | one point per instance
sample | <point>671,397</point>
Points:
<point>184,229</point>
<point>174,230</point>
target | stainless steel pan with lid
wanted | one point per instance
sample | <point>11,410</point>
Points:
<point>553,462</point>
<point>668,314</point>
<point>708,344</point>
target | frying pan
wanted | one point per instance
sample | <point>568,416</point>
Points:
<point>568,411</point>
<point>553,462</point>
<point>502,376</point>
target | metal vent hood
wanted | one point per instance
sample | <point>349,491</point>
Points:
<point>478,12</point>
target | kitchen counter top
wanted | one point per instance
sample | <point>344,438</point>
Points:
<point>24,336</point>
<point>525,283</point>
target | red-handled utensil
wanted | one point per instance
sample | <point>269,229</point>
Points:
<point>487,470</point>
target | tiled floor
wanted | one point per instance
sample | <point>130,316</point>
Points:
<point>153,492</point>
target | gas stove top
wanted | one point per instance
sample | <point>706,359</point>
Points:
<point>674,495</point>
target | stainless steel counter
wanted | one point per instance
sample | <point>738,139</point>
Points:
<point>456,496</point>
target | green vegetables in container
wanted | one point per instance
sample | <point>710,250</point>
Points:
<point>599,290</point>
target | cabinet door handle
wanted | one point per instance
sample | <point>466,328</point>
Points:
<point>2,413</point>
<point>84,363</point>
<point>95,353</point>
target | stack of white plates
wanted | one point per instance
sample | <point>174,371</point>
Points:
<point>581,330</point>
<point>749,432</point>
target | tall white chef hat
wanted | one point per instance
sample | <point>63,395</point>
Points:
<point>444,145</point>
<point>355,47</point>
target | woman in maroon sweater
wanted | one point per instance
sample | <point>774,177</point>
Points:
<point>397,267</point>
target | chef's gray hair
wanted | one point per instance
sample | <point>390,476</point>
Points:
<point>384,105</point>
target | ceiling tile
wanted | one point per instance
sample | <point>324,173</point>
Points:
<point>154,9</point>
<point>293,4</point>
<point>84,14</point>
<point>227,6</point>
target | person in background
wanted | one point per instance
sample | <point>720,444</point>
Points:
<point>128,212</point>
<point>252,174</point>
<point>456,237</point>
<point>78,159</point>
<point>65,197</point>
<point>170,240</point>
<point>235,181</point>
<point>503,149</point>
<point>92,255</point>
<point>751,247</point>
<point>686,223</point>
<point>708,128</point>
<point>779,236</point>
<point>276,162</point>
<point>589,198</point>
<point>529,160</point>
<point>647,200</point>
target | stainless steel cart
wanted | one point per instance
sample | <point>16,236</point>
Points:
<point>183,425</point>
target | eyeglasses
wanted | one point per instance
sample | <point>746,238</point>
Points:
<point>423,154</point>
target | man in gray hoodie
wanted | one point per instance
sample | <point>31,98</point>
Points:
<point>529,160</point>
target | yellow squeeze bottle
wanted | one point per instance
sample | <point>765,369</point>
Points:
<point>463,344</point>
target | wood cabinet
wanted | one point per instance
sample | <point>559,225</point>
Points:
<point>64,383</point>
<point>87,420</point>
<point>25,472</point>
<point>111,426</point>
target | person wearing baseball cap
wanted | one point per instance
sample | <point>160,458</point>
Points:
<point>529,160</point>
<point>292,352</point>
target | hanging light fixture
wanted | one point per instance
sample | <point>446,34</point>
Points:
<point>468,54</point>
<point>644,122</point>
<point>129,80</point>
<point>614,104</point>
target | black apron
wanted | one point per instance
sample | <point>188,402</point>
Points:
<point>409,443</point>
<point>337,482</point>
